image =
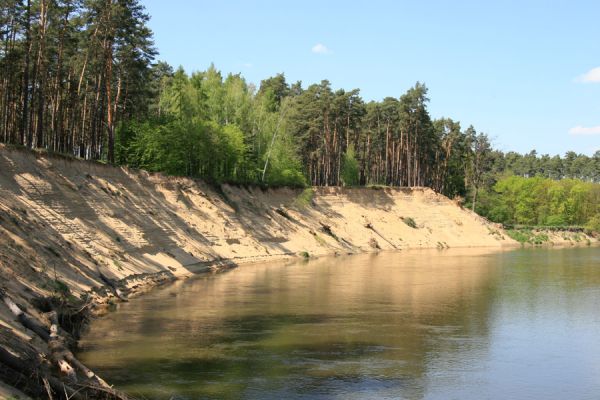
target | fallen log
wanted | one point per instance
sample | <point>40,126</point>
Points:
<point>370,226</point>
<point>20,368</point>
<point>25,320</point>
<point>58,350</point>
<point>36,372</point>
<point>64,358</point>
<point>10,360</point>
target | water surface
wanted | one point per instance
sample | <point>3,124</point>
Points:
<point>454,324</point>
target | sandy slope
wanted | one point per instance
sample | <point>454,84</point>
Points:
<point>77,215</point>
<point>70,220</point>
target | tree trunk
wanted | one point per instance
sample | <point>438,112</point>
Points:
<point>25,95</point>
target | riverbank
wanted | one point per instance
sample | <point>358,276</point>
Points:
<point>550,237</point>
<point>77,236</point>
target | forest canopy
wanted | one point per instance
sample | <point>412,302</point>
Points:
<point>80,77</point>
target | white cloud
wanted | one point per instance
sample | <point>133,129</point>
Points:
<point>585,131</point>
<point>248,65</point>
<point>592,76</point>
<point>320,48</point>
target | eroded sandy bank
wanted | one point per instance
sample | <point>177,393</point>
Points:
<point>71,229</point>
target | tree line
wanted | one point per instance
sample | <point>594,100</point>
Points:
<point>542,201</point>
<point>224,129</point>
<point>80,77</point>
<point>71,71</point>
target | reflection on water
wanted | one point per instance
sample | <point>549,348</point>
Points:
<point>425,324</point>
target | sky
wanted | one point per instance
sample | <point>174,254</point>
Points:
<point>527,73</point>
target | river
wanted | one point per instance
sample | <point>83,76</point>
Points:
<point>452,324</point>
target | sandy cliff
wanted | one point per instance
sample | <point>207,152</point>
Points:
<point>68,226</point>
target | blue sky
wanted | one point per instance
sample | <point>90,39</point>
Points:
<point>521,71</point>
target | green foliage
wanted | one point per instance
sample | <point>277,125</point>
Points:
<point>556,220</point>
<point>59,287</point>
<point>540,238</point>
<point>305,198</point>
<point>377,187</point>
<point>593,225</point>
<point>320,240</point>
<point>350,168</point>
<point>284,164</point>
<point>213,129</point>
<point>527,236</point>
<point>88,84</point>
<point>69,82</point>
<point>541,201</point>
<point>290,177</point>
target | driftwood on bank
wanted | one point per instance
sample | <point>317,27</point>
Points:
<point>329,231</point>
<point>28,371</point>
<point>25,320</point>
<point>65,357</point>
<point>10,360</point>
<point>113,286</point>
<point>16,366</point>
<point>71,387</point>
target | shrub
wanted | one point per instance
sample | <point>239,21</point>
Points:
<point>287,177</point>
<point>305,255</point>
<point>350,168</point>
<point>527,236</point>
<point>556,220</point>
<point>521,236</point>
<point>376,186</point>
<point>593,224</point>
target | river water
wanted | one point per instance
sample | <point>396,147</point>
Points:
<point>453,324</point>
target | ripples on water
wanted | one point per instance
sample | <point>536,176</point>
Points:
<point>455,324</point>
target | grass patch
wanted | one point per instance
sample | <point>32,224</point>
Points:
<point>377,187</point>
<point>118,265</point>
<point>59,288</point>
<point>495,233</point>
<point>528,236</point>
<point>320,240</point>
<point>521,236</point>
<point>540,239</point>
<point>305,198</point>
<point>410,222</point>
<point>305,255</point>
